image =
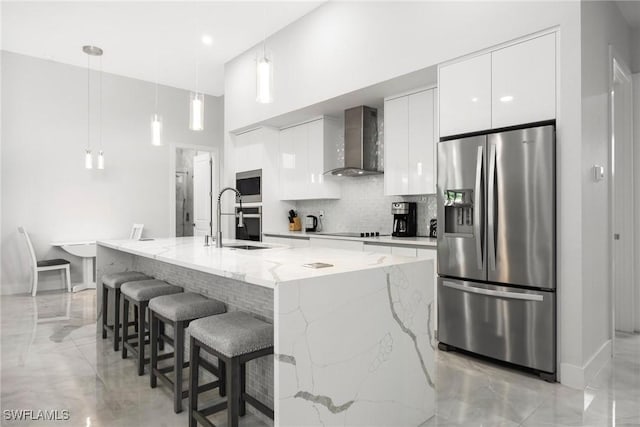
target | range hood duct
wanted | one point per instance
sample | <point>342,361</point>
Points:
<point>360,143</point>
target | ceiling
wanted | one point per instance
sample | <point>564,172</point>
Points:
<point>147,40</point>
<point>631,11</point>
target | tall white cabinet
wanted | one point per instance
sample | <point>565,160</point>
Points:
<point>409,143</point>
<point>303,160</point>
<point>510,86</point>
<point>465,96</point>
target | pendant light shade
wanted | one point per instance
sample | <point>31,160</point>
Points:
<point>88,156</point>
<point>264,80</point>
<point>88,159</point>
<point>100,159</point>
<point>196,111</point>
<point>156,130</point>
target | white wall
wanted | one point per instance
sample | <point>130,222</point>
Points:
<point>44,184</point>
<point>602,25</point>
<point>344,46</point>
<point>636,170</point>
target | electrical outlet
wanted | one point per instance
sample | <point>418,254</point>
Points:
<point>321,214</point>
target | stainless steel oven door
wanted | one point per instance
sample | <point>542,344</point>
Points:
<point>249,184</point>
<point>252,219</point>
<point>510,324</point>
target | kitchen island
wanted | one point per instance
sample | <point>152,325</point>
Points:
<point>353,342</point>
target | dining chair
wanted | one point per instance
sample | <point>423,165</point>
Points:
<point>45,265</point>
<point>136,232</point>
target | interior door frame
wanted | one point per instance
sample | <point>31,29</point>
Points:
<point>172,179</point>
<point>618,70</point>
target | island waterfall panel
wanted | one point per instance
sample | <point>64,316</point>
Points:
<point>356,349</point>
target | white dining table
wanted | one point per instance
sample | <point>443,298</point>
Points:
<point>85,249</point>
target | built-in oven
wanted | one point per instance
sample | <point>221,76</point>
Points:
<point>249,184</point>
<point>252,223</point>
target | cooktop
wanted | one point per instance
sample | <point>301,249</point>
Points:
<point>355,234</point>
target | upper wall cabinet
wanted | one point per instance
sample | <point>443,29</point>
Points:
<point>506,87</point>
<point>409,144</point>
<point>249,151</point>
<point>465,96</point>
<point>302,160</point>
<point>523,82</point>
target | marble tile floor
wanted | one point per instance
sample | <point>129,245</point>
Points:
<point>52,358</point>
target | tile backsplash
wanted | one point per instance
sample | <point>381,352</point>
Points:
<point>364,207</point>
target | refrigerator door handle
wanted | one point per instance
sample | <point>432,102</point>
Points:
<point>477,209</point>
<point>493,293</point>
<point>491,210</point>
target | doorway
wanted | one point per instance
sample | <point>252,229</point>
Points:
<point>193,181</point>
<point>621,188</point>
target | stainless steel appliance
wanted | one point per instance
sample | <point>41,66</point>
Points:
<point>405,222</point>
<point>360,152</point>
<point>311,223</point>
<point>251,228</point>
<point>249,184</point>
<point>496,246</point>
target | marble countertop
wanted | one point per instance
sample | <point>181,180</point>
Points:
<point>424,242</point>
<point>263,267</point>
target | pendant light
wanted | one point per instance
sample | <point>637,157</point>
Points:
<point>88,156</point>
<point>100,153</point>
<point>264,78</point>
<point>196,107</point>
<point>264,74</point>
<point>156,119</point>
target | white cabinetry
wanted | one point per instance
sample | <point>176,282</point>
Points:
<point>351,245</point>
<point>465,95</point>
<point>378,249</point>
<point>523,82</point>
<point>505,87</point>
<point>249,151</point>
<point>409,144</point>
<point>293,242</point>
<point>303,161</point>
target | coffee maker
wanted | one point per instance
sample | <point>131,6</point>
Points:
<point>404,219</point>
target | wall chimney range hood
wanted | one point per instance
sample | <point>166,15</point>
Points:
<point>360,144</point>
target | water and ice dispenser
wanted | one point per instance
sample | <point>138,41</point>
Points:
<point>458,212</point>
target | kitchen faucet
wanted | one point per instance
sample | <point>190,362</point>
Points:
<point>240,219</point>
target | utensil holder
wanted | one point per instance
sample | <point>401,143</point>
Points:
<point>296,225</point>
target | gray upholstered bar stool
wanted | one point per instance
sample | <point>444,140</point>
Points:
<point>139,293</point>
<point>114,281</point>
<point>178,310</point>
<point>235,339</point>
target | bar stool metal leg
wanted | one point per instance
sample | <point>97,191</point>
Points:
<point>178,353</point>
<point>125,328</point>
<point>142,307</point>
<point>222,367</point>
<point>105,297</point>
<point>193,381</point>
<point>233,401</point>
<point>243,382</point>
<point>153,337</point>
<point>116,321</point>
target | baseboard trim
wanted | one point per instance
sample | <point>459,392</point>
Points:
<point>578,377</point>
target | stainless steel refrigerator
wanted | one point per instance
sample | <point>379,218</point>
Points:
<point>497,246</point>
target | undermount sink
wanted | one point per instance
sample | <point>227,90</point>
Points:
<point>246,247</point>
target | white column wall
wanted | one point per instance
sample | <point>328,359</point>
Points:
<point>45,186</point>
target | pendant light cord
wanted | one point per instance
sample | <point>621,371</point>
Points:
<point>100,107</point>
<point>88,103</point>
<point>156,78</point>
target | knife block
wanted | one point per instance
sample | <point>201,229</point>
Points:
<point>296,225</point>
